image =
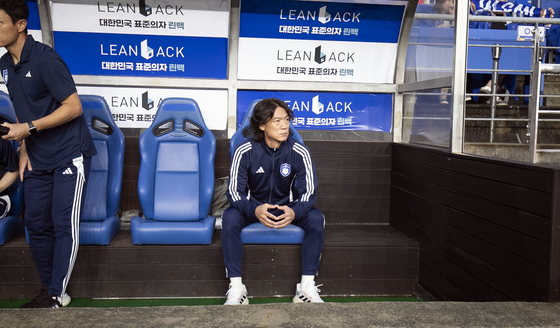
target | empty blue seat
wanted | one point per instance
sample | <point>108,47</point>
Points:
<point>99,223</point>
<point>176,178</point>
<point>258,233</point>
<point>11,225</point>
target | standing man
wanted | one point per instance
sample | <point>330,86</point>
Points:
<point>55,150</point>
<point>272,180</point>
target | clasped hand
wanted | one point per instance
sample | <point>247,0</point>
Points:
<point>272,221</point>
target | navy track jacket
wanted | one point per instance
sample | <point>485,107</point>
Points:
<point>282,176</point>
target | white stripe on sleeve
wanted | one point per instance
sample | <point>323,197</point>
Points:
<point>310,185</point>
<point>235,170</point>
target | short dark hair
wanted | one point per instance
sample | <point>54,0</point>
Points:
<point>16,9</point>
<point>263,112</point>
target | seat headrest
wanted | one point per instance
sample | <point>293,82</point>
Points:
<point>179,115</point>
<point>97,114</point>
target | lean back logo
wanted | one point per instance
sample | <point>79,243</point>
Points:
<point>147,103</point>
<point>285,169</point>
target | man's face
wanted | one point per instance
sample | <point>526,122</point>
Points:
<point>448,7</point>
<point>276,130</point>
<point>8,30</point>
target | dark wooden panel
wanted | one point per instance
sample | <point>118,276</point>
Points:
<point>363,176</point>
<point>483,272</point>
<point>477,269</point>
<point>222,145</point>
<point>530,176</point>
<point>356,216</point>
<point>441,288</point>
<point>19,273</point>
<point>529,200</point>
<point>350,202</point>
<point>387,255</point>
<point>460,280</point>
<point>344,147</point>
<point>256,288</point>
<point>130,172</point>
<point>360,260</point>
<point>554,281</point>
<point>514,265</point>
<point>372,270</point>
<point>454,264</point>
<point>521,221</point>
<point>386,287</point>
<point>352,161</point>
<point>367,235</point>
<point>512,241</point>
<point>16,254</point>
<point>420,155</point>
<point>145,273</point>
<point>131,148</point>
<point>354,189</point>
<point>525,199</point>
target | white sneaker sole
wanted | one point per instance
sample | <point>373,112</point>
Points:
<point>66,299</point>
<point>245,302</point>
<point>298,300</point>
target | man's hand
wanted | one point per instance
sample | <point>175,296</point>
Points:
<point>285,219</point>
<point>262,213</point>
<point>23,161</point>
<point>18,131</point>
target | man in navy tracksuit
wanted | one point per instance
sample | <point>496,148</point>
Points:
<point>272,180</point>
<point>55,150</point>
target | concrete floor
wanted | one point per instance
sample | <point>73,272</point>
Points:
<point>374,314</point>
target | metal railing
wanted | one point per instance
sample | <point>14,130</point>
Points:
<point>536,72</point>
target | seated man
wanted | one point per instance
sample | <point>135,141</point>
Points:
<point>272,180</point>
<point>9,166</point>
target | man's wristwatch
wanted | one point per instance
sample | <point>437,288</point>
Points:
<point>32,128</point>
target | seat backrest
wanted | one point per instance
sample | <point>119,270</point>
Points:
<point>176,179</point>
<point>7,114</point>
<point>105,179</point>
<point>245,132</point>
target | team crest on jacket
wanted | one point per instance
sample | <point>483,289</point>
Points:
<point>5,75</point>
<point>285,169</point>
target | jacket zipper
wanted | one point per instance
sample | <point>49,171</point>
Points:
<point>272,176</point>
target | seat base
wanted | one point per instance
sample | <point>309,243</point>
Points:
<point>99,232</point>
<point>10,226</point>
<point>172,233</point>
<point>258,233</point>
<point>361,260</point>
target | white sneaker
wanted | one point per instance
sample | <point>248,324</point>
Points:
<point>485,89</point>
<point>65,299</point>
<point>308,295</point>
<point>236,296</point>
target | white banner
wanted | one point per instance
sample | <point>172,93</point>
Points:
<point>316,61</point>
<point>171,18</point>
<point>166,38</point>
<point>136,107</point>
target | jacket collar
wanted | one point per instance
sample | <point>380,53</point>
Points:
<point>25,52</point>
<point>269,150</point>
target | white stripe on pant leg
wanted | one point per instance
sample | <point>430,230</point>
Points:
<point>75,219</point>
